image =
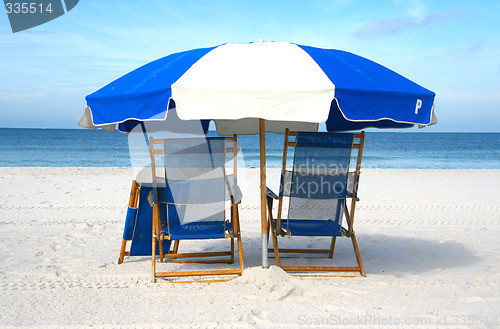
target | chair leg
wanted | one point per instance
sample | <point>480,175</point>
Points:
<point>155,233</point>
<point>270,226</point>
<point>176,247</point>
<point>232,250</point>
<point>349,217</point>
<point>269,215</point>
<point>238,237</point>
<point>158,231</point>
<point>358,256</point>
<point>153,261</point>
<point>122,251</point>
<point>332,247</point>
<point>275,243</point>
<point>240,253</point>
<point>160,244</point>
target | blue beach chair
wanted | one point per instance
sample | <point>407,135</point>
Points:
<point>191,202</point>
<point>138,224</point>
<point>320,190</point>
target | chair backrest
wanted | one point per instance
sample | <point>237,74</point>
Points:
<point>321,178</point>
<point>195,185</point>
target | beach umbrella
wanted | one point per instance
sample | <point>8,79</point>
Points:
<point>250,88</point>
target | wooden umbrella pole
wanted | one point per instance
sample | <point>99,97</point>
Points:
<point>263,209</point>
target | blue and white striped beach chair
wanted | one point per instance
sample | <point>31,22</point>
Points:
<point>191,201</point>
<point>321,190</point>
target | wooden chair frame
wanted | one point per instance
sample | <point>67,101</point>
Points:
<point>348,212</point>
<point>174,255</point>
<point>132,203</point>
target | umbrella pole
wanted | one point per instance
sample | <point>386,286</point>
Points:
<point>263,209</point>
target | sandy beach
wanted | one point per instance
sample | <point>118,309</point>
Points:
<point>429,240</point>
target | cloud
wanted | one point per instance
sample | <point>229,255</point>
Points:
<point>438,17</point>
<point>384,27</point>
<point>21,97</point>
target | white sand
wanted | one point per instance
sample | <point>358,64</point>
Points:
<point>429,240</point>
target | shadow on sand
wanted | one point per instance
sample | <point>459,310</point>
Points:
<point>389,254</point>
<point>381,254</point>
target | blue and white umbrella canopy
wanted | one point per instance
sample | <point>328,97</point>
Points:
<point>286,84</point>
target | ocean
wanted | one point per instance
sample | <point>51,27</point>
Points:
<point>97,148</point>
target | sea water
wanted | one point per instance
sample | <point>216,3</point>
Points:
<point>97,148</point>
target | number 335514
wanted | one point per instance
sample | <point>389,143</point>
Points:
<point>27,8</point>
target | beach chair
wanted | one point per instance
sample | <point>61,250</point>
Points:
<point>191,202</point>
<point>320,190</point>
<point>138,223</point>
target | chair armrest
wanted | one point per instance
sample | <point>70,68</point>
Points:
<point>238,195</point>
<point>349,195</point>
<point>151,199</point>
<point>233,189</point>
<point>271,194</point>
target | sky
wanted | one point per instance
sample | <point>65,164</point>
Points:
<point>449,47</point>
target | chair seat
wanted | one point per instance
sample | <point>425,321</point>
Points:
<point>311,227</point>
<point>197,230</point>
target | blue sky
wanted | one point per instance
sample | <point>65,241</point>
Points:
<point>450,47</point>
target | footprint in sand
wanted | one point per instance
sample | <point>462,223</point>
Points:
<point>253,317</point>
<point>55,246</point>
